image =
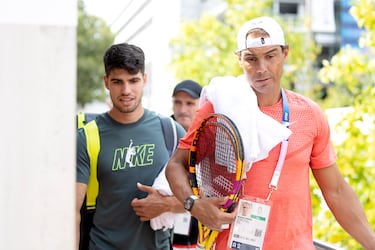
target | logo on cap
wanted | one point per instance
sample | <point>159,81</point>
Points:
<point>269,25</point>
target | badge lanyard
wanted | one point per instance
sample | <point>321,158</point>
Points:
<point>283,150</point>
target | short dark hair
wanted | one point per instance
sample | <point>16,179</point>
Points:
<point>124,56</point>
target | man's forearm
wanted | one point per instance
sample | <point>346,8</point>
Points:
<point>349,213</point>
<point>174,205</point>
<point>179,183</point>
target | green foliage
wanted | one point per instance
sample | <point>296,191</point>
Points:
<point>205,48</point>
<point>364,12</point>
<point>351,70</point>
<point>352,73</point>
<point>93,38</point>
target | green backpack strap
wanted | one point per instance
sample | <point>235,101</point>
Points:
<point>80,119</point>
<point>170,133</point>
<point>93,148</point>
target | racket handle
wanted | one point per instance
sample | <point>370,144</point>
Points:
<point>231,207</point>
<point>206,237</point>
<point>210,244</point>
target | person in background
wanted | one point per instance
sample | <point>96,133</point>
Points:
<point>286,203</point>
<point>132,154</point>
<point>185,102</point>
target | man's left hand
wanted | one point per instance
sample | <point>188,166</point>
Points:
<point>151,206</point>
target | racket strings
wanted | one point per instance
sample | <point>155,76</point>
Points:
<point>224,153</point>
<point>217,161</point>
<point>216,167</point>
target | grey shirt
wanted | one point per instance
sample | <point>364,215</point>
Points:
<point>129,153</point>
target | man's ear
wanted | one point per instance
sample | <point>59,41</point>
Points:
<point>286,51</point>
<point>145,78</point>
<point>238,54</point>
<point>105,79</point>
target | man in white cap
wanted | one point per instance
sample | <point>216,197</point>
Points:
<point>284,218</point>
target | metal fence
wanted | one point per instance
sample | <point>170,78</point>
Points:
<point>320,245</point>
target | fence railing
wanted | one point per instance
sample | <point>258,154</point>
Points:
<point>321,245</point>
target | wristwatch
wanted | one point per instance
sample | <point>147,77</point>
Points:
<point>189,202</point>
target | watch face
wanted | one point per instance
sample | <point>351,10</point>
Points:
<point>188,204</point>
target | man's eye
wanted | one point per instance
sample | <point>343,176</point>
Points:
<point>252,59</point>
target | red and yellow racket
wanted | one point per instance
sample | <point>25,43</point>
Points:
<point>216,166</point>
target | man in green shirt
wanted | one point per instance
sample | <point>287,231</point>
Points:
<point>132,154</point>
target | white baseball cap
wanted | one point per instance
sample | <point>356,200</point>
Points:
<point>269,25</point>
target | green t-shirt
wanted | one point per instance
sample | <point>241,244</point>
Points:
<point>129,153</point>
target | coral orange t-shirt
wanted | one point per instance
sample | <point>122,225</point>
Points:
<point>290,221</point>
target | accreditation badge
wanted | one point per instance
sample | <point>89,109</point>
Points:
<point>182,223</point>
<point>249,227</point>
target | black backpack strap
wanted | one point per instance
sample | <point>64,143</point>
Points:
<point>170,133</point>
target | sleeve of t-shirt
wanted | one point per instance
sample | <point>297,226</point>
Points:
<point>202,112</point>
<point>323,154</point>
<point>83,161</point>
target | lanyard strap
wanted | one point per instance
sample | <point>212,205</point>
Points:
<point>283,150</point>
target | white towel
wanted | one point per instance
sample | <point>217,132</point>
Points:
<point>164,220</point>
<point>233,97</point>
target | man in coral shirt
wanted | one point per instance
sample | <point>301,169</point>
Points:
<point>262,52</point>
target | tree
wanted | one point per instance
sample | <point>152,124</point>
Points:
<point>205,48</point>
<point>93,38</point>
<point>353,70</point>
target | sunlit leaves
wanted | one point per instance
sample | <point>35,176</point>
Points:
<point>93,38</point>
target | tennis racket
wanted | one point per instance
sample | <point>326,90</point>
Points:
<point>216,166</point>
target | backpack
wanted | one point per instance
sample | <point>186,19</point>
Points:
<point>88,123</point>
